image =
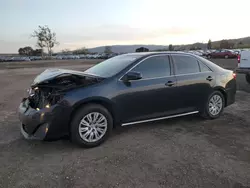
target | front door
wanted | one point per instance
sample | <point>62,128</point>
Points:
<point>150,97</point>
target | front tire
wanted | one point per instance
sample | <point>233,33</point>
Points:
<point>214,106</point>
<point>91,125</point>
<point>226,56</point>
<point>248,78</point>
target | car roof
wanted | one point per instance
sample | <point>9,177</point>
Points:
<point>146,54</point>
<point>141,54</point>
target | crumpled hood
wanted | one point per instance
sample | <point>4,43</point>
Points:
<point>51,73</point>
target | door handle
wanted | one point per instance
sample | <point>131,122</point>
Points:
<point>209,78</point>
<point>169,83</point>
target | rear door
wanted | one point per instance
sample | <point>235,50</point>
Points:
<point>195,82</point>
<point>216,54</point>
<point>245,59</point>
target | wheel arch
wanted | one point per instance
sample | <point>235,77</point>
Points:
<point>106,103</point>
<point>222,90</point>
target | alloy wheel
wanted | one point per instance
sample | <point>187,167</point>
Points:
<point>215,105</point>
<point>93,127</point>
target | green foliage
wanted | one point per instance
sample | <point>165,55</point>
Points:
<point>45,38</point>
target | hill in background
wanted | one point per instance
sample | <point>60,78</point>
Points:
<point>233,43</point>
<point>127,48</point>
<point>237,43</point>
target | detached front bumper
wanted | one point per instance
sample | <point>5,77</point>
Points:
<point>42,124</point>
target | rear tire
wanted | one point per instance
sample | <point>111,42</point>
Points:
<point>214,106</point>
<point>84,131</point>
<point>248,78</point>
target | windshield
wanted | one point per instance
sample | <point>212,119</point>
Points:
<point>112,66</point>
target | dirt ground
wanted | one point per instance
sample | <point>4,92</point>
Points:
<point>182,152</point>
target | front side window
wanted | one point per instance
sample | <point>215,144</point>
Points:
<point>154,67</point>
<point>185,64</point>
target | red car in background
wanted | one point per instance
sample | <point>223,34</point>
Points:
<point>222,54</point>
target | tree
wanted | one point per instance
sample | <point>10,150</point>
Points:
<point>28,51</point>
<point>225,44</point>
<point>45,38</point>
<point>170,47</point>
<point>81,51</point>
<point>141,49</point>
<point>66,51</point>
<point>37,52</point>
<point>195,48</point>
<point>159,50</point>
<point>21,51</point>
<point>209,44</point>
<point>107,50</point>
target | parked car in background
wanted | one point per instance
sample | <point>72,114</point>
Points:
<point>237,52</point>
<point>2,59</point>
<point>222,54</point>
<point>19,58</point>
<point>199,53</point>
<point>206,52</point>
<point>244,64</point>
<point>82,56</point>
<point>123,90</point>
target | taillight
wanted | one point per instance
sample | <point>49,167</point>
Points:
<point>234,75</point>
<point>238,58</point>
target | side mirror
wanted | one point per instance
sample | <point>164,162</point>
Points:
<point>132,76</point>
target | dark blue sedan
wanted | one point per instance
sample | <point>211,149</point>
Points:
<point>123,90</point>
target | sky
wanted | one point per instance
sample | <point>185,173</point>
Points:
<point>85,23</point>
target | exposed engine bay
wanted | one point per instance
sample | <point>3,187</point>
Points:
<point>50,90</point>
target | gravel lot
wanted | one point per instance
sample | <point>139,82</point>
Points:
<point>182,152</point>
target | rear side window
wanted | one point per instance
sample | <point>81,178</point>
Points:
<point>185,64</point>
<point>153,67</point>
<point>204,68</point>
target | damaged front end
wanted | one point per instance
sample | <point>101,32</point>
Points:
<point>49,87</point>
<point>41,113</point>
